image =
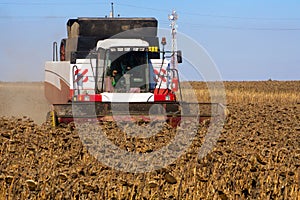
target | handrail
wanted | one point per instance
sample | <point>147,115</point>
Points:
<point>73,77</point>
<point>55,54</point>
<point>179,87</point>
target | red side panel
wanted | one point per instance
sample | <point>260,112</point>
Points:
<point>89,98</point>
<point>164,97</point>
<point>161,91</point>
<point>71,93</point>
<point>55,95</point>
<point>159,97</point>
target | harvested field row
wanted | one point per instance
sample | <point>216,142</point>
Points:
<point>257,156</point>
<point>261,92</point>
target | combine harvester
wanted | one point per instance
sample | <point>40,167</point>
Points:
<point>113,69</point>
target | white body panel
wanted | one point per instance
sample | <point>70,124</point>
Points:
<point>127,97</point>
<point>164,78</point>
<point>108,43</point>
<point>56,71</point>
<point>87,69</point>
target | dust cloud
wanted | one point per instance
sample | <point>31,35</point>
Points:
<point>24,99</point>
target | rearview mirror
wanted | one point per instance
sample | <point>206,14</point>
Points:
<point>179,56</point>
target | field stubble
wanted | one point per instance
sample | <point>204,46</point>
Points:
<point>257,155</point>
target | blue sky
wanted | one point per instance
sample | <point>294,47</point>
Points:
<point>248,40</point>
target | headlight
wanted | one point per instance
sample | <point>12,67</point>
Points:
<point>86,98</point>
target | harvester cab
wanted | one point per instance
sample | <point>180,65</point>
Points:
<point>123,66</point>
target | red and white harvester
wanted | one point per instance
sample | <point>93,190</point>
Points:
<point>113,68</point>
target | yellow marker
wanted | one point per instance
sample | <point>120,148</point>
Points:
<point>53,118</point>
<point>153,49</point>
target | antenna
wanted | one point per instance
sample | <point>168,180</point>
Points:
<point>112,10</point>
<point>173,18</point>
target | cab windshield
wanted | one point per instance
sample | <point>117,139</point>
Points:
<point>128,68</point>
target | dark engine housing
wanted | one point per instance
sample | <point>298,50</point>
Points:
<point>84,33</point>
